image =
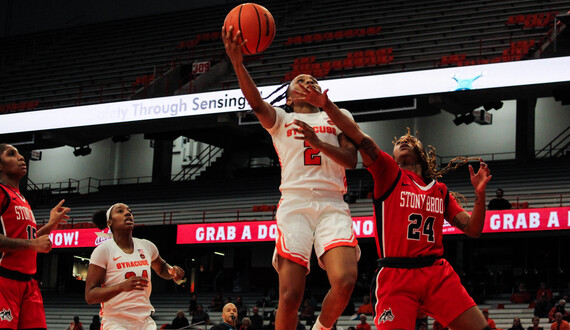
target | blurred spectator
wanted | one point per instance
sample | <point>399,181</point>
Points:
<point>542,306</point>
<point>499,203</point>
<point>201,316</point>
<point>271,324</point>
<point>363,324</point>
<point>245,324</point>
<point>559,323</point>
<point>521,296</point>
<point>241,307</point>
<point>217,303</point>
<point>75,325</point>
<point>95,323</point>
<point>438,326</point>
<point>192,305</point>
<point>558,308</point>
<point>366,307</point>
<point>229,318</point>
<point>516,324</point>
<point>543,291</point>
<point>489,320</point>
<point>535,322</point>
<point>256,319</point>
<point>180,321</point>
<point>307,312</point>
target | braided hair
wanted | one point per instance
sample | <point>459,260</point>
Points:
<point>428,161</point>
<point>283,95</point>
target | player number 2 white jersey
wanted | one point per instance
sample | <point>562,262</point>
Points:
<point>303,167</point>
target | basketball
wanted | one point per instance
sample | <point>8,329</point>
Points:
<point>256,25</point>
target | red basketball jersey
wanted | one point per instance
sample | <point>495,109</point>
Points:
<point>17,221</point>
<point>409,213</point>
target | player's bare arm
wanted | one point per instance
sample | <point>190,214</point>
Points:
<point>263,110</point>
<point>473,224</point>
<point>164,270</point>
<point>344,154</point>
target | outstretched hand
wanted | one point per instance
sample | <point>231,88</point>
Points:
<point>480,179</point>
<point>232,45</point>
<point>306,133</point>
<point>58,214</point>
<point>310,95</point>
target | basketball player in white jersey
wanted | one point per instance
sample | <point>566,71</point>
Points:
<point>312,212</point>
<point>119,273</point>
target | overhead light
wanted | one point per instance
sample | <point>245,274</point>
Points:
<point>82,151</point>
<point>220,253</point>
<point>81,258</point>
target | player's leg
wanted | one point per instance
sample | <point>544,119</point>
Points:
<point>291,290</point>
<point>341,266</point>
<point>471,319</point>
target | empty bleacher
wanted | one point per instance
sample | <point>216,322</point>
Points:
<point>99,62</point>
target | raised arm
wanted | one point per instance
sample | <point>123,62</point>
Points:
<point>57,215</point>
<point>367,147</point>
<point>263,110</point>
<point>473,224</point>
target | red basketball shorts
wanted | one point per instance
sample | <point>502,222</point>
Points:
<point>435,290</point>
<point>21,304</point>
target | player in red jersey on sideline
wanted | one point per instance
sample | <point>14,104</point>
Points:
<point>409,209</point>
<point>21,303</point>
<point>312,214</point>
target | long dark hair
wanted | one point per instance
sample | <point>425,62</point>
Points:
<point>283,95</point>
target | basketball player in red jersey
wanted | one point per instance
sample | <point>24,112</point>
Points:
<point>409,208</point>
<point>21,303</point>
<point>313,154</point>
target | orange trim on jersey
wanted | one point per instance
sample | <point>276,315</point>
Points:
<point>285,253</point>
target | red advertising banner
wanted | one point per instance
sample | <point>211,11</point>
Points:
<point>72,238</point>
<point>252,231</point>
<point>519,220</point>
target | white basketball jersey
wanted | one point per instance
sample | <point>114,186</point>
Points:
<point>120,266</point>
<point>303,167</point>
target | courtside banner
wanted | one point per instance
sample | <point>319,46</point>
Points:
<point>508,221</point>
<point>452,79</point>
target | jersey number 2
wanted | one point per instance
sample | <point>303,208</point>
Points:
<point>311,155</point>
<point>415,227</point>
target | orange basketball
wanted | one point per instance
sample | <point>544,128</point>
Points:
<point>256,25</point>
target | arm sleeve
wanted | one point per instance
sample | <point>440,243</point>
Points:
<point>385,173</point>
